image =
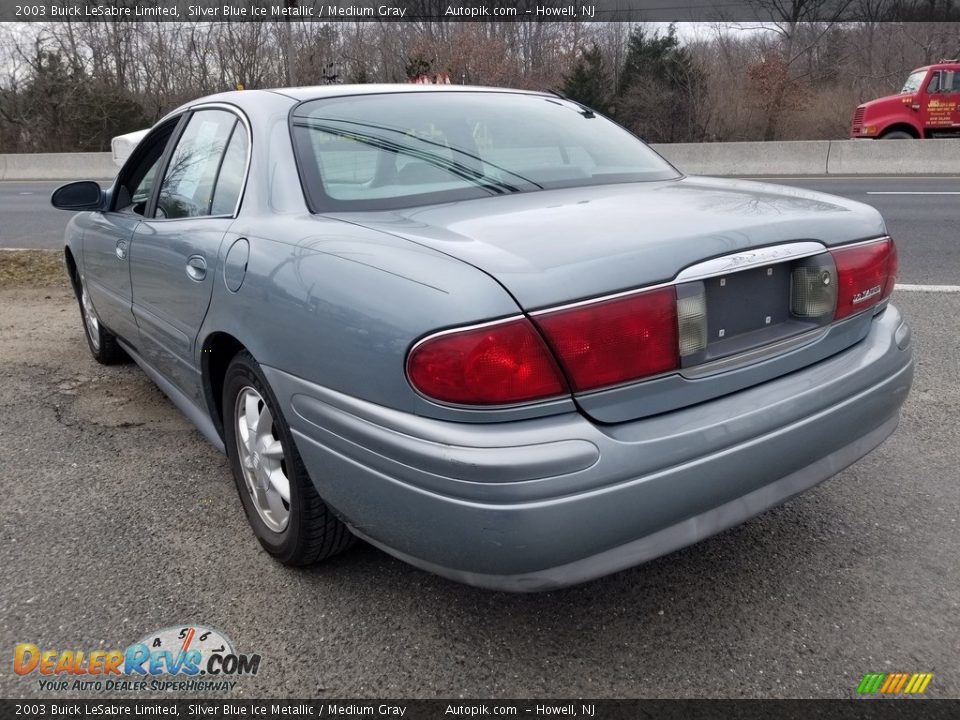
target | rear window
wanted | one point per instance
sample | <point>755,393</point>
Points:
<point>387,151</point>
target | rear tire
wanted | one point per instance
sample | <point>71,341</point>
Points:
<point>897,135</point>
<point>289,518</point>
<point>103,343</point>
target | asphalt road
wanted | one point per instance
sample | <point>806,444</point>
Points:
<point>119,519</point>
<point>925,225</point>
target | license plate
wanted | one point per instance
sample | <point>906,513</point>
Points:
<point>747,301</point>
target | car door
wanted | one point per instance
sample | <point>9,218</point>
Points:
<point>952,89</point>
<point>941,100</point>
<point>107,235</point>
<point>174,252</point>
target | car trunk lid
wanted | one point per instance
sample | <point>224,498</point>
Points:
<point>552,247</point>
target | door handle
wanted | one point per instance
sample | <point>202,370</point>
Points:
<point>196,267</point>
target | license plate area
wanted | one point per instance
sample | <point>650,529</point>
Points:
<point>746,310</point>
<point>746,301</point>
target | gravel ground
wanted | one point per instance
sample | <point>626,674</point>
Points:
<point>119,519</point>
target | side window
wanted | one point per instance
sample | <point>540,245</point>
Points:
<point>934,85</point>
<point>230,179</point>
<point>952,81</point>
<point>138,176</point>
<point>188,186</point>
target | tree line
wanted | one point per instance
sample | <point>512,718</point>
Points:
<point>73,86</point>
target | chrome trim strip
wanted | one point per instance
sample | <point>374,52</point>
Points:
<point>604,298</point>
<point>794,251</point>
<point>732,362</point>
<point>735,262</point>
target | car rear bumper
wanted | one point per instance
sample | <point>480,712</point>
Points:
<point>539,504</point>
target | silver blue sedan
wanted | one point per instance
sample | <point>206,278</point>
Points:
<point>488,331</point>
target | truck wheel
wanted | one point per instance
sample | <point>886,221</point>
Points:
<point>289,519</point>
<point>897,135</point>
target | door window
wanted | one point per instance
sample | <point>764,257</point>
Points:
<point>190,181</point>
<point>136,180</point>
<point>232,171</point>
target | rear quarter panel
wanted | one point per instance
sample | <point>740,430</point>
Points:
<point>340,305</point>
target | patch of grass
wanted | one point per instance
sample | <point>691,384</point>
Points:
<point>36,268</point>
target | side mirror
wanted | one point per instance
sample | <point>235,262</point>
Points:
<point>82,195</point>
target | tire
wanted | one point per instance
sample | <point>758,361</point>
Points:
<point>897,135</point>
<point>298,530</point>
<point>103,343</point>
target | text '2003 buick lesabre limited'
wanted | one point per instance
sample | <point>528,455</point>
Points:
<point>488,331</point>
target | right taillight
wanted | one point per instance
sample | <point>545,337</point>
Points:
<point>866,274</point>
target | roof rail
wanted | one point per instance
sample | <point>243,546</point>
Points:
<point>948,60</point>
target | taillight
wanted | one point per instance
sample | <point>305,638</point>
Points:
<point>866,274</point>
<point>615,341</point>
<point>495,364</point>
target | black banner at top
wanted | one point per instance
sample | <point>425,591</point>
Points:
<point>471,10</point>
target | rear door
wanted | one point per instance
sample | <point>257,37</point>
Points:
<point>175,248</point>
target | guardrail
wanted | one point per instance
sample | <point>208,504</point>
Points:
<point>758,159</point>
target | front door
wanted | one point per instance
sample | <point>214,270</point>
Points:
<point>941,104</point>
<point>174,253</point>
<point>108,236</point>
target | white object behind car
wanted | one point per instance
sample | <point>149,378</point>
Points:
<point>123,145</point>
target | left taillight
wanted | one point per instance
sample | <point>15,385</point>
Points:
<point>866,274</point>
<point>498,363</point>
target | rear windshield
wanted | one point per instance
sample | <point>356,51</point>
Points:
<point>372,152</point>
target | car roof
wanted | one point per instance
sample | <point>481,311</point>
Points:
<point>247,99</point>
<point>324,91</point>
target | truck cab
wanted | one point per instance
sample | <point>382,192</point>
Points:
<point>927,106</point>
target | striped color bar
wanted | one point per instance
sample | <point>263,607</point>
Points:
<point>894,683</point>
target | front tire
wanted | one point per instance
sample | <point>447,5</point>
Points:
<point>287,515</point>
<point>897,135</point>
<point>103,343</point>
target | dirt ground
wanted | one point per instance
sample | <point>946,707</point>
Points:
<point>32,268</point>
<point>33,284</point>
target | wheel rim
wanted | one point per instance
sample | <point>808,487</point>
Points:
<point>261,459</point>
<point>90,317</point>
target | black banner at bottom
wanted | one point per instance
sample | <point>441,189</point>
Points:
<point>900,709</point>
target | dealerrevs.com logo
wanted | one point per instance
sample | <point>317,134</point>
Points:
<point>190,658</point>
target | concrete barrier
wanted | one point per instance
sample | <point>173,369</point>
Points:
<point>757,159</point>
<point>57,166</point>
<point>816,157</point>
<point>894,157</point>
<point>806,157</point>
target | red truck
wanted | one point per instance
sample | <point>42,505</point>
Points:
<point>927,106</point>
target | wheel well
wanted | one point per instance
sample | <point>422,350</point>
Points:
<point>72,271</point>
<point>902,127</point>
<point>218,350</point>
